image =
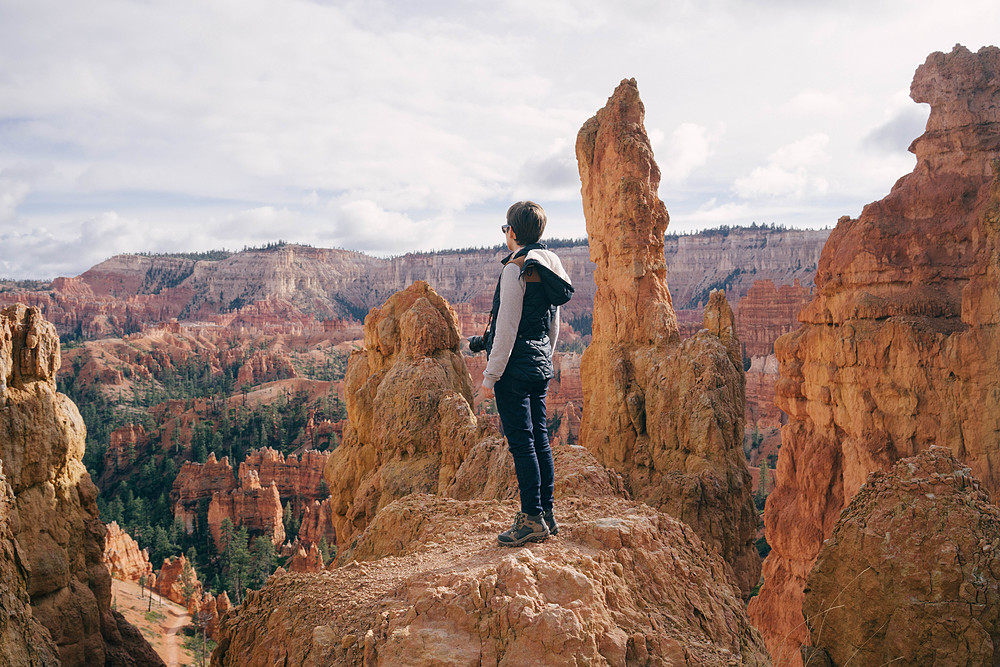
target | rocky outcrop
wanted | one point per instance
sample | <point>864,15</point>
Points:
<point>899,346</point>
<point>252,506</point>
<point>125,559</point>
<point>917,587</point>
<point>59,535</point>
<point>409,400</point>
<point>668,415</point>
<point>178,582</point>
<point>24,642</point>
<point>440,592</point>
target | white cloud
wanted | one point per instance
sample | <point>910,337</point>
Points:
<point>689,147</point>
<point>212,123</point>
<point>787,172</point>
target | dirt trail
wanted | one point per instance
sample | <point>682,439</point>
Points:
<point>163,634</point>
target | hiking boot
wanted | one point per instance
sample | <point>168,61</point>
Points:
<point>550,521</point>
<point>526,528</point>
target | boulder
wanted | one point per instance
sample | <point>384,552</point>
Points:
<point>911,573</point>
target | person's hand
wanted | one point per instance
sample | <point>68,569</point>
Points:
<point>487,393</point>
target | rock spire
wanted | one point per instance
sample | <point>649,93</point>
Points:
<point>668,415</point>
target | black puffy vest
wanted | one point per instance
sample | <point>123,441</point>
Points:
<point>531,357</point>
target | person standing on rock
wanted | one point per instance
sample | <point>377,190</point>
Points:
<point>519,342</point>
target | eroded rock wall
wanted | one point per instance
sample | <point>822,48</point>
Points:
<point>24,642</point>
<point>125,559</point>
<point>59,534</point>
<point>668,415</point>
<point>899,348</point>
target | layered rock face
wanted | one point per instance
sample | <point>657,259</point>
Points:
<point>125,559</point>
<point>918,587</point>
<point>769,311</point>
<point>252,506</point>
<point>899,347</point>
<point>440,592</point>
<point>668,415</point>
<point>24,642</point>
<point>59,535</point>
<point>317,523</point>
<point>408,399</point>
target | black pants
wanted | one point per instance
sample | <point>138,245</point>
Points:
<point>522,414</point>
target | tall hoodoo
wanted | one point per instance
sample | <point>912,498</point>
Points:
<point>668,415</point>
<point>899,348</point>
<point>59,535</point>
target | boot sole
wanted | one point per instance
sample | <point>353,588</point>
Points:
<point>524,540</point>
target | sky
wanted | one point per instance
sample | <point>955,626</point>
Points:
<point>389,127</point>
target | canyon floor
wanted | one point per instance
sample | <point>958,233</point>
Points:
<point>162,626</point>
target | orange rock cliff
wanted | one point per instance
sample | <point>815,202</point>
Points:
<point>60,539</point>
<point>668,415</point>
<point>899,347</point>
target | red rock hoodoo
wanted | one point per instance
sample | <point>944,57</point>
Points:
<point>125,559</point>
<point>59,535</point>
<point>298,478</point>
<point>899,346</point>
<point>252,506</point>
<point>668,415</point>
<point>200,481</point>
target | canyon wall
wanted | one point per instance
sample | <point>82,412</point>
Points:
<point>899,347</point>
<point>668,415</point>
<point>24,642</point>
<point>298,289</point>
<point>59,535</point>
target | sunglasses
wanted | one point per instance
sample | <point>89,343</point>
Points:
<point>504,228</point>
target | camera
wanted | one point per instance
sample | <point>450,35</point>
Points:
<point>476,344</point>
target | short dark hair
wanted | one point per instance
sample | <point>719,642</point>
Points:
<point>527,219</point>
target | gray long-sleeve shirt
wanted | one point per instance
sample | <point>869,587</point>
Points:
<point>508,318</point>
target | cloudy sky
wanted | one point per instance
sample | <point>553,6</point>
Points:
<point>137,125</point>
